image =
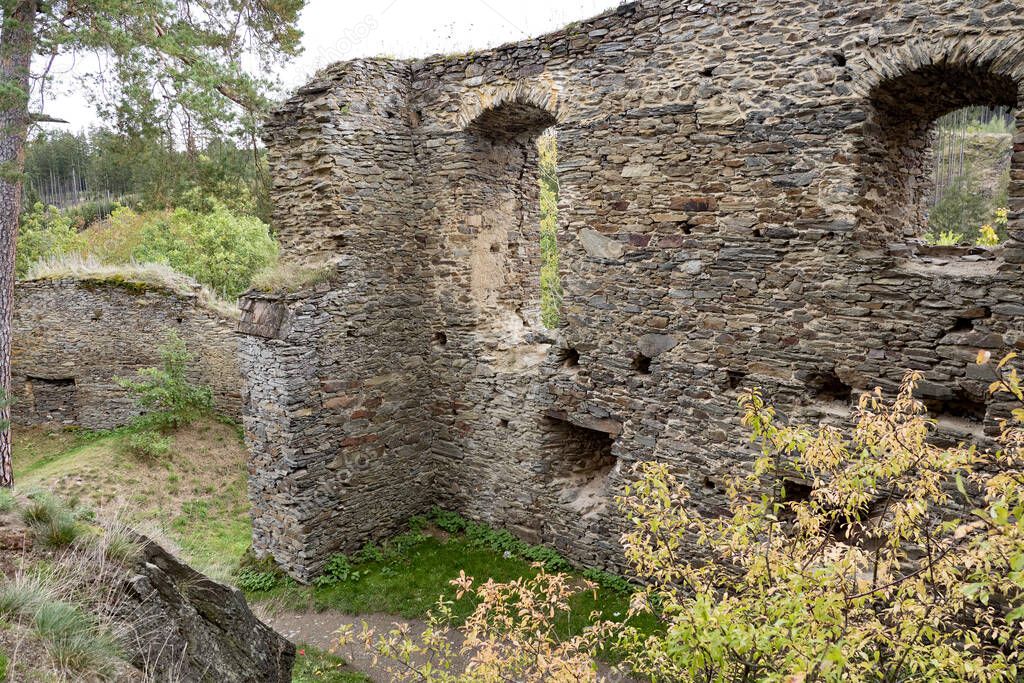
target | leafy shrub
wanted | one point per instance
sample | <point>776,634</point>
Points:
<point>292,277</point>
<point>339,569</point>
<point>963,208</point>
<point>905,562</point>
<point>255,581</point>
<point>988,237</point>
<point>219,249</point>
<point>945,239</point>
<point>452,522</point>
<point>148,445</point>
<point>87,213</point>
<point>370,553</point>
<point>165,395</point>
<point>608,581</point>
<point>44,233</point>
<point>115,240</point>
<point>316,666</point>
<point>4,664</point>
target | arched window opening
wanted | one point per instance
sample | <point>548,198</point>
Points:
<point>550,282</point>
<point>937,157</point>
<point>511,202</point>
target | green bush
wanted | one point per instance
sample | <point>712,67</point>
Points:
<point>255,581</point>
<point>148,445</point>
<point>4,663</point>
<point>165,395</point>
<point>44,233</point>
<point>219,249</point>
<point>611,582</point>
<point>339,569</point>
<point>292,277</point>
<point>945,239</point>
<point>452,522</point>
<point>962,209</point>
<point>316,666</point>
<point>87,213</point>
<point>550,281</point>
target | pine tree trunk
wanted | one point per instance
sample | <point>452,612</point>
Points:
<point>17,44</point>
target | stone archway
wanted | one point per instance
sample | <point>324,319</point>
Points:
<point>906,92</point>
<point>500,200</point>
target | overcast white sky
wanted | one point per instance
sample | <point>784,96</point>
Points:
<point>344,29</point>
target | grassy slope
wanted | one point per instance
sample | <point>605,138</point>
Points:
<point>196,497</point>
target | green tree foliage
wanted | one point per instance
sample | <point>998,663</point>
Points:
<point>550,282</point>
<point>219,248</point>
<point>165,395</point>
<point>963,209</point>
<point>176,66</point>
<point>145,172</point>
<point>44,233</point>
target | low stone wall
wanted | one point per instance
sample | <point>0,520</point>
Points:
<point>73,337</point>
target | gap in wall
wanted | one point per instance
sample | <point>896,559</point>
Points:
<point>961,406</point>
<point>53,397</point>
<point>827,386</point>
<point>580,462</point>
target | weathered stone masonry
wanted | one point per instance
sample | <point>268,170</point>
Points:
<point>741,189</point>
<point>74,337</point>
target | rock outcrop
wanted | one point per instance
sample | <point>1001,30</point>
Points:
<point>186,626</point>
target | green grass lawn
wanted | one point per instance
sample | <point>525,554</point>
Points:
<point>407,582</point>
<point>196,496</point>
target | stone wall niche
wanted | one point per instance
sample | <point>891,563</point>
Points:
<point>577,465</point>
<point>52,399</point>
<point>897,147</point>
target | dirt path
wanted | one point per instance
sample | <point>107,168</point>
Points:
<point>317,629</point>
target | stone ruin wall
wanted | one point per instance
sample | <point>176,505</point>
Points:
<point>73,337</point>
<point>741,186</point>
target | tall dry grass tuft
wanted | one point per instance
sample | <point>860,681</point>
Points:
<point>154,275</point>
